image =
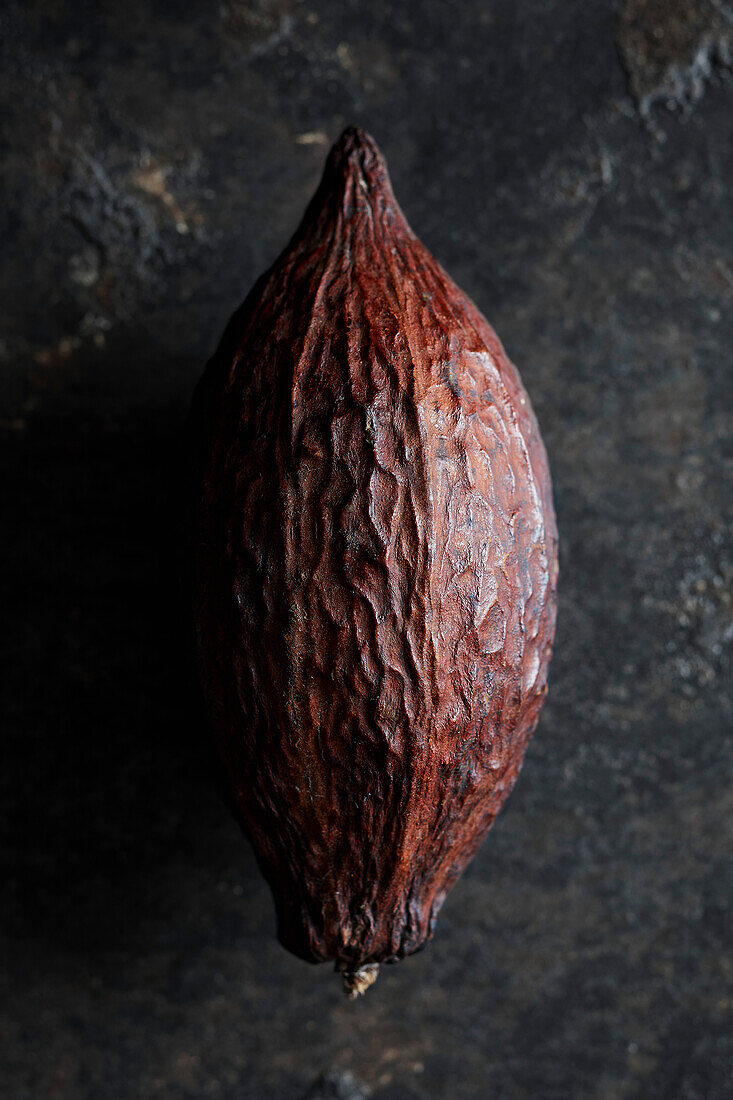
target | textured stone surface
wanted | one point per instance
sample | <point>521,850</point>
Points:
<point>155,162</point>
<point>376,572</point>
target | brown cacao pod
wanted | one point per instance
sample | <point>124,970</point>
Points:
<point>376,573</point>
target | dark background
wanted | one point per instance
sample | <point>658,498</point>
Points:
<point>571,165</point>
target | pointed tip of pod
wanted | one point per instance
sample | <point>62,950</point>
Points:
<point>354,195</point>
<point>356,153</point>
<point>354,180</point>
<point>356,142</point>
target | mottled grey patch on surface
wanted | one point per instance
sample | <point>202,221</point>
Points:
<point>335,1085</point>
<point>672,48</point>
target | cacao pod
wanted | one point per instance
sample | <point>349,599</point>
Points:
<point>376,573</point>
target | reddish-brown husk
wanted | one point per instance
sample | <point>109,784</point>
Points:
<point>376,572</point>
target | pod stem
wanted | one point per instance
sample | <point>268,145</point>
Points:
<point>358,981</point>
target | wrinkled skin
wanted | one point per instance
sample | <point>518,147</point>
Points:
<point>376,572</point>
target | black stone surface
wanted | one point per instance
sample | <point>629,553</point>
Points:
<point>156,156</point>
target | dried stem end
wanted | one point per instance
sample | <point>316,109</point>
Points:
<point>358,981</point>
